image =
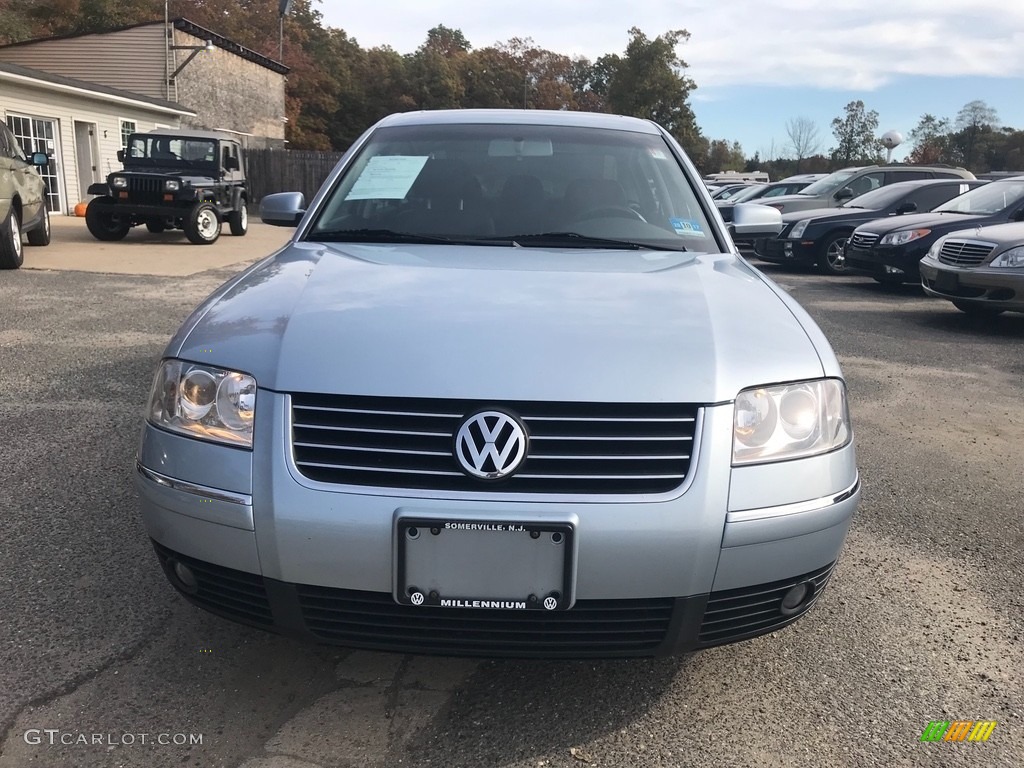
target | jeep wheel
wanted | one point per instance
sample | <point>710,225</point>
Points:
<point>831,258</point>
<point>103,225</point>
<point>156,226</point>
<point>239,220</point>
<point>202,225</point>
<point>41,235</point>
<point>11,256</point>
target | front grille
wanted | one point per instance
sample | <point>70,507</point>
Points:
<point>581,448</point>
<point>736,614</point>
<point>863,241</point>
<point>590,628</point>
<point>145,189</point>
<point>964,253</point>
<point>233,594</point>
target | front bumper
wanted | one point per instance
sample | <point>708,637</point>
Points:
<point>984,287</point>
<point>707,565</point>
<point>891,262</point>
<point>786,251</point>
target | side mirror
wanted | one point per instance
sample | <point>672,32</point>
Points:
<point>907,207</point>
<point>283,209</point>
<point>752,220</point>
<point>120,155</point>
<point>41,159</point>
<point>844,194</point>
<point>231,163</point>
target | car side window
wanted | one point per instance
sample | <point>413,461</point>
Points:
<point>6,142</point>
<point>895,176</point>
<point>866,183</point>
<point>932,195</point>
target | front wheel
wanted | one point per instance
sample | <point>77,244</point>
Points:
<point>239,220</point>
<point>41,235</point>
<point>832,257</point>
<point>11,256</point>
<point>202,225</point>
<point>102,224</point>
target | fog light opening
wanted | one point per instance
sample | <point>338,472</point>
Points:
<point>183,577</point>
<point>797,598</point>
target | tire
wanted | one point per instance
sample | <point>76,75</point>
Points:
<point>156,226</point>
<point>977,311</point>
<point>831,260</point>
<point>11,254</point>
<point>102,224</point>
<point>41,235</point>
<point>238,220</point>
<point>202,225</point>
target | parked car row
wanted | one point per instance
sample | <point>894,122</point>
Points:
<point>962,239</point>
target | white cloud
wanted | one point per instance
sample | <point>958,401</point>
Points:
<point>807,43</point>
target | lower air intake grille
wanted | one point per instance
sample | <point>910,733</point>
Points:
<point>597,628</point>
<point>233,594</point>
<point>735,614</point>
<point>578,448</point>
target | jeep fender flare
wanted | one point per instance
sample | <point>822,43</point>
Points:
<point>99,188</point>
<point>238,194</point>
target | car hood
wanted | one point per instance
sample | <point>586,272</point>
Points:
<point>1001,235</point>
<point>827,213</point>
<point>789,203</point>
<point>501,323</point>
<point>949,221</point>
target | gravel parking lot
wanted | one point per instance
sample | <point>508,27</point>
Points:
<point>101,664</point>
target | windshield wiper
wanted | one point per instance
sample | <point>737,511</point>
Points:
<point>576,240</point>
<point>380,236</point>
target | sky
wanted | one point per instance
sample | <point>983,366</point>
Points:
<point>759,64</point>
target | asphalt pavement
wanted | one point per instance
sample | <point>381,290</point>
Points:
<point>101,664</point>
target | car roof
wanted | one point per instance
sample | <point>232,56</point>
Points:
<point>186,133</point>
<point>521,117</point>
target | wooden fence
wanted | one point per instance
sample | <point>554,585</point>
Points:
<point>285,170</point>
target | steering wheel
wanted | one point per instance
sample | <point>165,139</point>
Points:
<point>611,211</point>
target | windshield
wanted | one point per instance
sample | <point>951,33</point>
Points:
<point>830,183</point>
<point>170,151</point>
<point>507,184</point>
<point>993,197</point>
<point>749,192</point>
<point>880,198</point>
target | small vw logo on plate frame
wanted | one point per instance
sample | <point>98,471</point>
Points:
<point>490,445</point>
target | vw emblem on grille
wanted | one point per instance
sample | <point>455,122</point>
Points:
<point>490,445</point>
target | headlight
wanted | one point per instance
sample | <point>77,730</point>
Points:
<point>172,185</point>
<point>1013,258</point>
<point>204,402</point>
<point>798,228</point>
<point>901,238</point>
<point>119,182</point>
<point>790,421</point>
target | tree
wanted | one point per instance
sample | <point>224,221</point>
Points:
<point>972,122</point>
<point>649,81</point>
<point>856,136</point>
<point>931,141</point>
<point>804,140</point>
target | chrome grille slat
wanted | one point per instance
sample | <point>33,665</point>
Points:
<point>578,448</point>
<point>965,253</point>
<point>862,240</point>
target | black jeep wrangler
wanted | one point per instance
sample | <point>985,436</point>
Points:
<point>173,179</point>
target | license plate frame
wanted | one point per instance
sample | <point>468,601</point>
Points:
<point>484,564</point>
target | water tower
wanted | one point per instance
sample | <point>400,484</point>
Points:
<point>891,140</point>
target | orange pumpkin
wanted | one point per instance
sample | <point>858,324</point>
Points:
<point>80,209</point>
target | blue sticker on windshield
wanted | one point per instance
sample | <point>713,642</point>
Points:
<point>687,227</point>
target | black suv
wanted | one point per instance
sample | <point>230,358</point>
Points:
<point>890,249</point>
<point>173,179</point>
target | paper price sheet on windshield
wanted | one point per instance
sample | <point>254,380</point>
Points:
<point>387,177</point>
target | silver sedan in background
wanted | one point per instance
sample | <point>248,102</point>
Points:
<point>508,391</point>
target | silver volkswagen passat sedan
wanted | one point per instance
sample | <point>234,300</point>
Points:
<point>508,391</point>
